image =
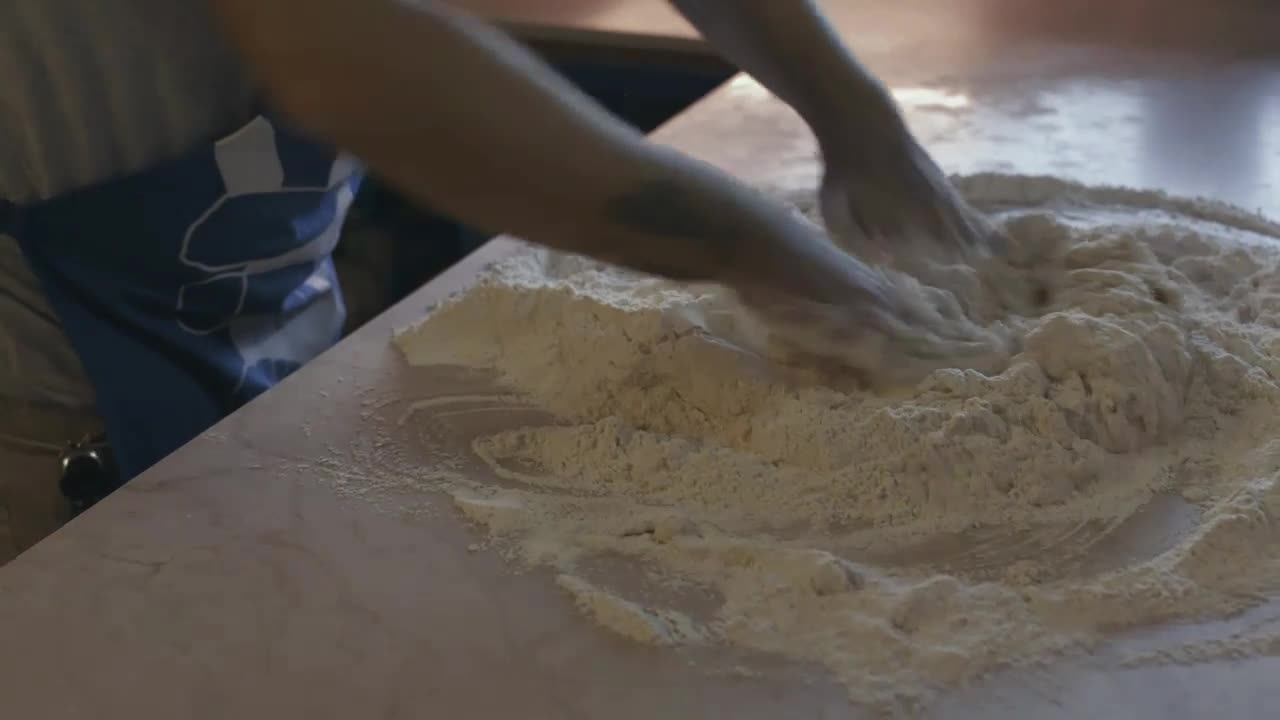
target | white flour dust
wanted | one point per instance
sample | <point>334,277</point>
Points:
<point>1117,468</point>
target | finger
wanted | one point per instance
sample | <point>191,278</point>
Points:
<point>846,227</point>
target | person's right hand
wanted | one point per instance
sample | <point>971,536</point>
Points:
<point>823,304</point>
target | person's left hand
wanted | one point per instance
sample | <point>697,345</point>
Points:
<point>884,199</point>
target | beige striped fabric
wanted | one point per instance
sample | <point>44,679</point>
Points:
<point>91,89</point>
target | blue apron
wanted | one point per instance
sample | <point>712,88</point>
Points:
<point>190,288</point>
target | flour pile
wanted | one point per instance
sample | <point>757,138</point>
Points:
<point>1118,468</point>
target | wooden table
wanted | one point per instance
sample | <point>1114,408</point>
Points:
<point>602,21</point>
<point>654,25</point>
<point>284,566</point>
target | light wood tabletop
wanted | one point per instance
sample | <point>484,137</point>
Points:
<point>293,561</point>
<point>654,24</point>
<point>655,18</point>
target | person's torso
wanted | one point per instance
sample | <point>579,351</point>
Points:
<point>181,238</point>
<point>94,90</point>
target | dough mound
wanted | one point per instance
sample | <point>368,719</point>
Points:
<point>909,535</point>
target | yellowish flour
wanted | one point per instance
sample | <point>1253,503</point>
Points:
<point>1114,465</point>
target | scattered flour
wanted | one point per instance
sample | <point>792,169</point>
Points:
<point>629,619</point>
<point>1117,469</point>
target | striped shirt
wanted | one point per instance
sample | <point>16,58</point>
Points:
<point>182,238</point>
<point>91,90</point>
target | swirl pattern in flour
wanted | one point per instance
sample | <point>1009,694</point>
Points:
<point>913,538</point>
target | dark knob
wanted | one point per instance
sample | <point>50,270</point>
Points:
<point>84,479</point>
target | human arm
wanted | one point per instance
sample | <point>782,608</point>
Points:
<point>460,118</point>
<point>791,48</point>
<point>882,194</point>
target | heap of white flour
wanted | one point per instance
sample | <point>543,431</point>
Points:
<point>908,539</point>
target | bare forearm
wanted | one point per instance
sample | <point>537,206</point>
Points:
<point>790,48</point>
<point>459,117</point>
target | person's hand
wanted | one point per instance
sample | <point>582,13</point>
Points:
<point>822,305</point>
<point>884,199</point>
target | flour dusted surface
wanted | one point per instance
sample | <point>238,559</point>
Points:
<point>913,537</point>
